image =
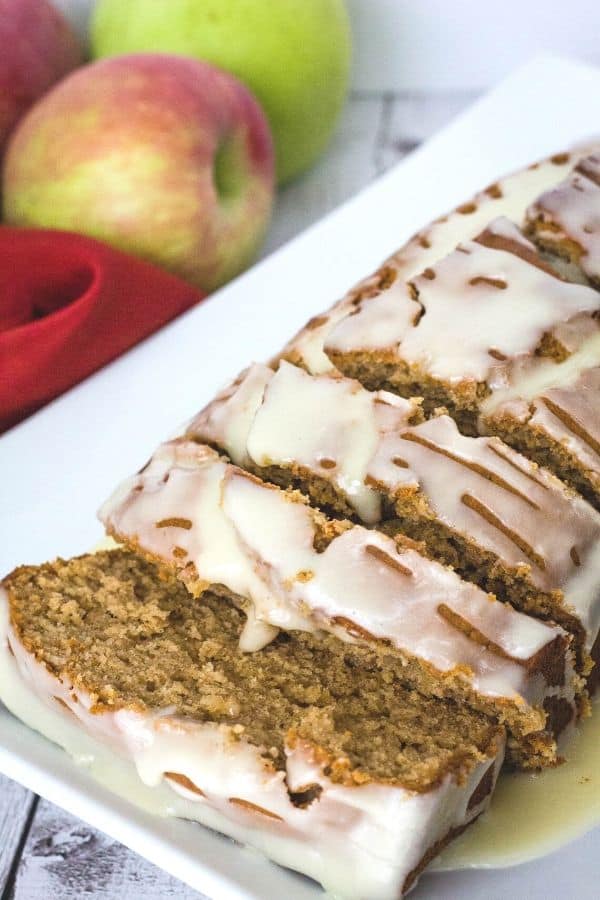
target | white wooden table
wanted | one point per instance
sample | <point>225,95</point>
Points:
<point>46,854</point>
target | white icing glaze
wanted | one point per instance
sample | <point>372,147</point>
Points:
<point>285,433</point>
<point>571,212</point>
<point>482,309</point>
<point>360,578</point>
<point>255,633</point>
<point>328,425</point>
<point>378,323</point>
<point>513,194</point>
<point>227,420</point>
<point>358,841</point>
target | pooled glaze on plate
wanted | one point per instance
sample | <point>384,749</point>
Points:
<point>534,814</point>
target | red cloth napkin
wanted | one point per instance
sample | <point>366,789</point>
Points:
<point>68,305</point>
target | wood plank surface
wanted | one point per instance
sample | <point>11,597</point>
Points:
<point>16,808</point>
<point>64,858</point>
<point>46,854</point>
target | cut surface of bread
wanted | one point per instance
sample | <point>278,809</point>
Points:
<point>314,745</point>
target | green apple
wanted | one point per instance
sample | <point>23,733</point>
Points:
<point>293,54</point>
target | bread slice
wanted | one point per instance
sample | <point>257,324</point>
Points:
<point>478,506</point>
<point>510,196</point>
<point>467,328</point>
<point>291,567</point>
<point>314,751</point>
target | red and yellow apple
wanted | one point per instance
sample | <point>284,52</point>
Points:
<point>165,157</point>
<point>37,47</point>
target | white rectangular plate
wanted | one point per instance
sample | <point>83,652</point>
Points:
<point>59,465</point>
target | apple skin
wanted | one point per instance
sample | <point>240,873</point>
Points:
<point>167,158</point>
<point>294,55</point>
<point>37,47</point>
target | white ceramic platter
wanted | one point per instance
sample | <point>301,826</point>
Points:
<point>59,465</point>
